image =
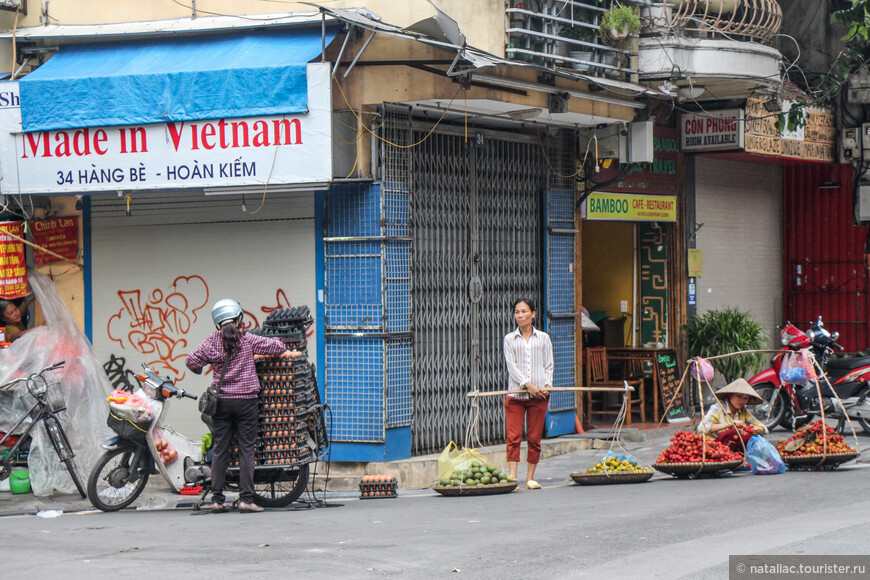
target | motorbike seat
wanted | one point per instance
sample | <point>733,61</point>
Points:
<point>848,364</point>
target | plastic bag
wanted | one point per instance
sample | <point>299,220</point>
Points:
<point>703,370</point>
<point>84,383</point>
<point>167,452</point>
<point>763,458</point>
<point>797,368</point>
<point>455,458</point>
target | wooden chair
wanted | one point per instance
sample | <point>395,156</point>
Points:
<point>598,376</point>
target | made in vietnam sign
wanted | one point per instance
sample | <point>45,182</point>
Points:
<point>631,207</point>
<point>713,131</point>
<point>278,149</point>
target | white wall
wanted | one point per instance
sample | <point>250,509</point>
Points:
<point>154,285</point>
<point>740,205</point>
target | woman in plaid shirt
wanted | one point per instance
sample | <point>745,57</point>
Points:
<point>238,402</point>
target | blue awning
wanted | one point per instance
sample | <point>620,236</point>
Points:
<point>179,79</point>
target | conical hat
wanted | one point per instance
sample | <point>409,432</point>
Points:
<point>740,387</point>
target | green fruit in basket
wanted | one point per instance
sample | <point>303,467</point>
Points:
<point>470,481</point>
<point>502,480</point>
<point>444,482</point>
<point>485,480</point>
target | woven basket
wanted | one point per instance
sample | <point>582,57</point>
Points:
<point>696,468</point>
<point>811,460</point>
<point>610,478</point>
<point>492,489</point>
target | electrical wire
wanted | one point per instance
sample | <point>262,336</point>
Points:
<point>388,142</point>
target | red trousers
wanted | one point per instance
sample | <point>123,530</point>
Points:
<point>534,413</point>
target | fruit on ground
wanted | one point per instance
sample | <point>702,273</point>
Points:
<point>691,447</point>
<point>818,439</point>
<point>476,474</point>
<point>612,464</point>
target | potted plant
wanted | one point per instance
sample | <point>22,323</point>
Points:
<point>725,331</point>
<point>577,51</point>
<point>619,23</point>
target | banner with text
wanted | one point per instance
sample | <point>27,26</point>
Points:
<point>713,131</point>
<point>631,207</point>
<point>13,271</point>
<point>283,149</point>
<point>59,235</point>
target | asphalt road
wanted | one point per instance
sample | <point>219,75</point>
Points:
<point>664,528</point>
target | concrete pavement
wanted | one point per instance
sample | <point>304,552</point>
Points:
<point>560,457</point>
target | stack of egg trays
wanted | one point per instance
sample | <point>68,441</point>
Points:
<point>282,436</point>
<point>377,486</point>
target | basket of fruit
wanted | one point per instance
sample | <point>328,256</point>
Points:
<point>478,478</point>
<point>689,454</point>
<point>613,469</point>
<point>815,445</point>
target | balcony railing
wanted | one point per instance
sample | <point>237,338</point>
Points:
<point>741,20</point>
<point>564,34</point>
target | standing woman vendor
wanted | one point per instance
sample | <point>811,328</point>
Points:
<point>237,410</point>
<point>731,414</point>
<point>528,353</point>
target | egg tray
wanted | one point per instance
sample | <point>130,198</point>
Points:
<point>377,487</point>
<point>291,314</point>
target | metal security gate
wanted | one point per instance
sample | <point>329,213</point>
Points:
<point>476,231</point>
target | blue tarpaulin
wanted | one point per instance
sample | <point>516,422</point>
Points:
<point>179,79</point>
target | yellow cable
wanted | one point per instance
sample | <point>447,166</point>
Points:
<point>388,142</point>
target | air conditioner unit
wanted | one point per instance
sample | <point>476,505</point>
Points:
<point>862,203</point>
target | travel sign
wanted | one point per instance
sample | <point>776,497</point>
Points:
<point>282,149</point>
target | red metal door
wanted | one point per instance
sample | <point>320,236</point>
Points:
<point>825,262</point>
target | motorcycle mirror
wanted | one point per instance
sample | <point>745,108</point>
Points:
<point>835,335</point>
<point>819,321</point>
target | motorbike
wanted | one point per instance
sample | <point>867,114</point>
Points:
<point>791,406</point>
<point>145,445</point>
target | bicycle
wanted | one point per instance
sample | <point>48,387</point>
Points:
<point>44,397</point>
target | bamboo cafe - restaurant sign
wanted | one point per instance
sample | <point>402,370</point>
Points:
<point>753,130</point>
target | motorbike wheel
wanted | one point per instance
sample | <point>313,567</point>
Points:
<point>865,424</point>
<point>110,487</point>
<point>772,410</point>
<point>279,493</point>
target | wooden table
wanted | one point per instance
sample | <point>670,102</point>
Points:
<point>628,354</point>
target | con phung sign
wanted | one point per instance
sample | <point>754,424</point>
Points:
<point>282,149</point>
<point>712,131</point>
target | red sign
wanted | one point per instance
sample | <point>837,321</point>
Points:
<point>13,271</point>
<point>660,176</point>
<point>59,235</point>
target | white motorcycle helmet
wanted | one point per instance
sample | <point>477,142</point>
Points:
<point>224,311</point>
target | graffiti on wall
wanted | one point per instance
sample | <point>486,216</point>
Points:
<point>156,323</point>
<point>119,375</point>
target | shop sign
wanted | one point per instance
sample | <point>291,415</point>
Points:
<point>283,149</point>
<point>631,207</point>
<point>59,235</point>
<point>696,262</point>
<point>815,141</point>
<point>13,271</point>
<point>661,176</point>
<point>712,131</point>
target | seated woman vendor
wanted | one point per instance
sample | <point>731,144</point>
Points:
<point>730,413</point>
<point>11,318</point>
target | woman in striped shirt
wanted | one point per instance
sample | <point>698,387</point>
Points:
<point>529,356</point>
